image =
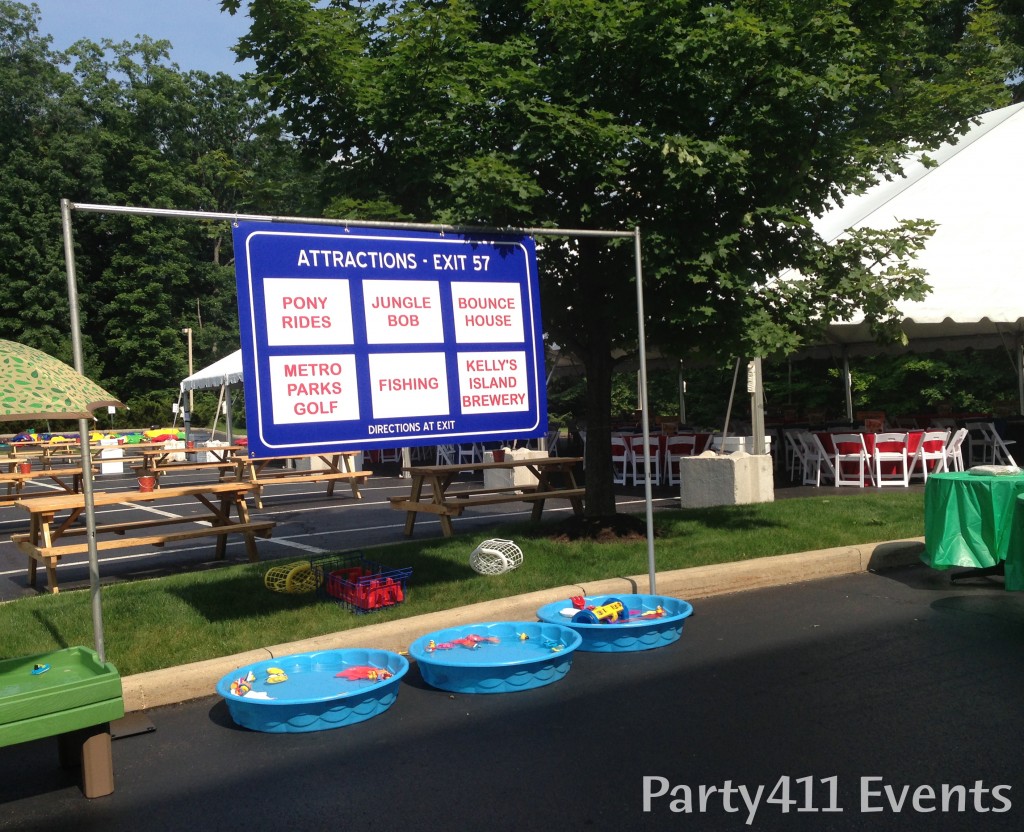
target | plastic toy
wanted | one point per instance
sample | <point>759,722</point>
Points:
<point>276,675</point>
<point>355,674</point>
<point>292,578</point>
<point>241,686</point>
<point>495,557</point>
<point>471,641</point>
<point>608,613</point>
<point>40,668</point>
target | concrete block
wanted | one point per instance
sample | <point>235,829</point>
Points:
<point>734,479</point>
<point>511,478</point>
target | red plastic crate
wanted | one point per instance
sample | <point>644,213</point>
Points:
<point>362,585</point>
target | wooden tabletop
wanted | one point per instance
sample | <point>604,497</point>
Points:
<point>106,498</point>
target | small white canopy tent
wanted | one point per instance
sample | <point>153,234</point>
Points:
<point>974,259</point>
<point>223,374</point>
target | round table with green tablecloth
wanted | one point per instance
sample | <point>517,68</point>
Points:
<point>976,521</point>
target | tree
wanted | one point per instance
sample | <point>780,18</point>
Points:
<point>124,126</point>
<point>717,128</point>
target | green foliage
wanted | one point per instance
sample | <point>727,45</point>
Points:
<point>117,124</point>
<point>717,129</point>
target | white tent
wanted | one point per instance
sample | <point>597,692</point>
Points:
<point>973,261</point>
<point>223,373</point>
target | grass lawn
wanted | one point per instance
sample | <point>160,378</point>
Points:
<point>201,615</point>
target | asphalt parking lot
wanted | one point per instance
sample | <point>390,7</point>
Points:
<point>865,702</point>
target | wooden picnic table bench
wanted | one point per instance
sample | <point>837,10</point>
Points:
<point>555,476</point>
<point>69,480</point>
<point>158,461</point>
<point>336,466</point>
<point>49,539</point>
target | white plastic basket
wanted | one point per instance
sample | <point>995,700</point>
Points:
<point>496,556</point>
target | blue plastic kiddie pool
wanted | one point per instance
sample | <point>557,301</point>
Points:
<point>313,691</point>
<point>495,658</point>
<point>621,623</point>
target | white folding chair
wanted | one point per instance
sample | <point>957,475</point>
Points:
<point>954,451</point>
<point>817,464</point>
<point>446,455</point>
<point>794,451</point>
<point>675,448</point>
<point>890,457</point>
<point>620,460</point>
<point>850,451</point>
<point>470,453</point>
<point>639,460</point>
<point>390,455</point>
<point>930,456</point>
<point>1000,453</point>
<point>985,446</point>
<point>551,442</point>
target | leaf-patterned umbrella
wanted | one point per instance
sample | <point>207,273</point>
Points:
<point>34,385</point>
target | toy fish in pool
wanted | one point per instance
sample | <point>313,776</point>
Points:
<point>553,646</point>
<point>657,612</point>
<point>364,672</point>
<point>242,685</point>
<point>472,641</point>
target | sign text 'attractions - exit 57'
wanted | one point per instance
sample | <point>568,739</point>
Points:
<point>357,338</point>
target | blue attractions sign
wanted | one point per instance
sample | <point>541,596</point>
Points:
<point>359,338</point>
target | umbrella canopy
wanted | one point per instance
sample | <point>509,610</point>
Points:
<point>36,385</point>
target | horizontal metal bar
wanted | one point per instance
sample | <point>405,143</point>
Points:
<point>219,216</point>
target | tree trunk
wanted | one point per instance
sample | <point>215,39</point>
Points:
<point>600,496</point>
<point>598,285</point>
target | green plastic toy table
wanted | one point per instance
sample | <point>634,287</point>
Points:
<point>69,694</point>
<point>975,521</point>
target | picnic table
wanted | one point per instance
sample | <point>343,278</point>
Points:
<point>162,460</point>
<point>49,452</point>
<point>69,480</point>
<point>556,480</point>
<point>330,468</point>
<point>49,539</point>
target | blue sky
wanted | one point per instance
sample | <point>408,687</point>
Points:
<point>201,35</point>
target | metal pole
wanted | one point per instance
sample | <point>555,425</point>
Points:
<point>187,331</point>
<point>848,384</point>
<point>757,407</point>
<point>83,430</point>
<point>648,497</point>
<point>682,396</point>
<point>401,226</point>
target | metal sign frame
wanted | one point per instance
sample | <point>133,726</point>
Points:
<point>67,207</point>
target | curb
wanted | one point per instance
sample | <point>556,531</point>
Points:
<point>172,685</point>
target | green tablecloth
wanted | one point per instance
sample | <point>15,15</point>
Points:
<point>973,520</point>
